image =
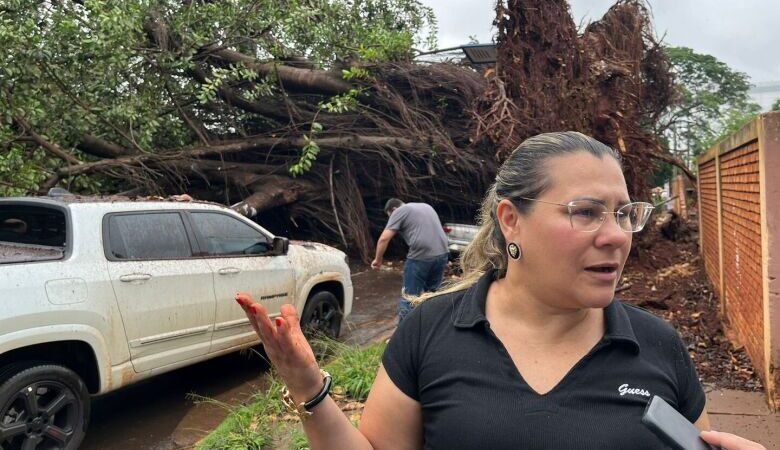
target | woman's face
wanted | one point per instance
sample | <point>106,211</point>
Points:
<point>566,267</point>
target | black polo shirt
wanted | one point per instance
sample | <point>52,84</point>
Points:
<point>445,356</point>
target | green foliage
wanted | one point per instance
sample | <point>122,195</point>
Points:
<point>20,173</point>
<point>220,77</point>
<point>299,441</point>
<point>248,427</point>
<point>123,71</point>
<point>354,369</point>
<point>775,106</point>
<point>661,174</point>
<point>733,121</point>
<point>713,101</point>
<point>342,103</point>
<point>385,45</point>
<point>337,104</point>
<point>309,152</point>
<point>355,73</point>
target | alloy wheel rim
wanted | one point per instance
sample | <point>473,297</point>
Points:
<point>40,415</point>
<point>323,317</point>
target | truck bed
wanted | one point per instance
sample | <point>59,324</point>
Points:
<point>17,253</point>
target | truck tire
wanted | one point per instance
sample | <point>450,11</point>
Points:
<point>43,406</point>
<point>322,314</point>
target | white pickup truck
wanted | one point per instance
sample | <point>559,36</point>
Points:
<point>98,294</point>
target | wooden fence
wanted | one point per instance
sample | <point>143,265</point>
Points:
<point>739,224</point>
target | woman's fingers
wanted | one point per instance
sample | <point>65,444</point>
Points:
<point>286,347</point>
<point>294,342</point>
<point>283,333</point>
<point>282,329</point>
<point>249,315</point>
<point>258,317</point>
<point>728,441</point>
<point>290,316</point>
<point>267,328</point>
<point>243,298</point>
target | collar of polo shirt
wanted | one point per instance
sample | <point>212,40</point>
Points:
<point>471,312</point>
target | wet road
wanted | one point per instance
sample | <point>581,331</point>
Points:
<point>161,414</point>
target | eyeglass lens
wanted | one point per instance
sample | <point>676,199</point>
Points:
<point>588,216</point>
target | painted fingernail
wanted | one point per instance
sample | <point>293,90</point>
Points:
<point>279,321</point>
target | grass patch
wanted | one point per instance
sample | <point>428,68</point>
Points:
<point>249,427</point>
<point>264,424</point>
<point>354,369</point>
<point>299,441</point>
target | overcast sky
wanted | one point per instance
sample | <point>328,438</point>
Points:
<point>741,33</point>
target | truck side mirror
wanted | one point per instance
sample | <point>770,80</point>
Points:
<point>281,245</point>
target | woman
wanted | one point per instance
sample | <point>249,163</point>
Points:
<point>530,350</point>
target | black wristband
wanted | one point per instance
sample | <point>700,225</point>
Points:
<point>308,406</point>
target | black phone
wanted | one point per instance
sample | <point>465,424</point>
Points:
<point>672,427</point>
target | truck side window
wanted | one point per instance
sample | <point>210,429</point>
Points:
<point>33,225</point>
<point>225,235</point>
<point>148,236</point>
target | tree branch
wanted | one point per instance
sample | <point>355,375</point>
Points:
<point>50,147</point>
<point>103,149</point>
<point>64,88</point>
<point>197,129</point>
<point>272,191</point>
<point>334,143</point>
<point>227,95</point>
<point>675,162</point>
<point>49,183</point>
<point>293,78</point>
<point>333,204</point>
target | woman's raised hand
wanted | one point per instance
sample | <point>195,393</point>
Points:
<point>286,347</point>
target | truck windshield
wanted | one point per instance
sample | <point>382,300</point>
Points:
<point>32,225</point>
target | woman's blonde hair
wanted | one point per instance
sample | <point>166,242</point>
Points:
<point>523,174</point>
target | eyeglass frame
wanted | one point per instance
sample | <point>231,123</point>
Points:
<point>615,213</point>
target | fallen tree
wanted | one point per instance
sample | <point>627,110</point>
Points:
<point>612,81</point>
<point>309,115</point>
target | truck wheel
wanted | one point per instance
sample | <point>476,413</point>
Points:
<point>44,406</point>
<point>322,314</point>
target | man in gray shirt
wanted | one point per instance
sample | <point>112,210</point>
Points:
<point>421,229</point>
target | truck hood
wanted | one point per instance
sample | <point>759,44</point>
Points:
<point>304,246</point>
<point>311,258</point>
<point>309,250</point>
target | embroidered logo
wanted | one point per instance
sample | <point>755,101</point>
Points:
<point>625,389</point>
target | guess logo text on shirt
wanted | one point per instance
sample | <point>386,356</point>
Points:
<point>625,389</point>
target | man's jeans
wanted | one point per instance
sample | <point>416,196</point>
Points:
<point>420,275</point>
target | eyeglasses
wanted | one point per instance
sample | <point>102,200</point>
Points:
<point>588,215</point>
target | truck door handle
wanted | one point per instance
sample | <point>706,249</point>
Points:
<point>135,277</point>
<point>228,271</point>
